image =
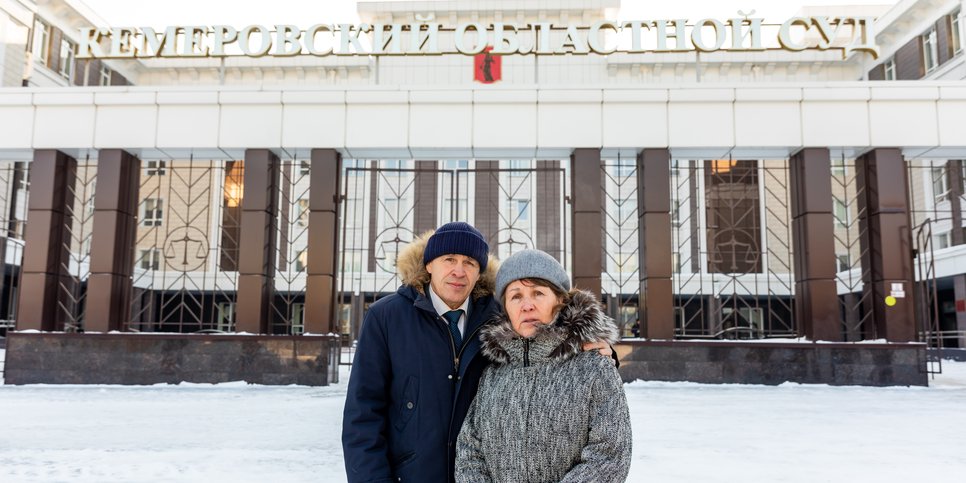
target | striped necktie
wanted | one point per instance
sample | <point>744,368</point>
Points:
<point>453,317</point>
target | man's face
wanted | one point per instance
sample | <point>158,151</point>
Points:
<point>453,278</point>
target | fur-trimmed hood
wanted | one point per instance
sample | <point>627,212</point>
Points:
<point>581,320</point>
<point>412,271</point>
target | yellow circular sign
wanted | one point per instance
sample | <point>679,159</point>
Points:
<point>890,300</point>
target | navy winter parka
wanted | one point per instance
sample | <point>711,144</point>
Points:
<point>410,388</point>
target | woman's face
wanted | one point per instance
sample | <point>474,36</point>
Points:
<point>529,306</point>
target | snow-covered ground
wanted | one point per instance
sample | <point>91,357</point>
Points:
<point>682,432</point>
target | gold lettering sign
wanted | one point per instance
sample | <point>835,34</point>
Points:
<point>848,34</point>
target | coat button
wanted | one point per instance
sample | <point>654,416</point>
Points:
<point>450,377</point>
<point>409,405</point>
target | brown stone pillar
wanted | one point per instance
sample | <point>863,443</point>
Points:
<point>486,202</point>
<point>425,197</point>
<point>588,222</point>
<point>656,304</point>
<point>549,200</point>
<point>112,244</point>
<point>816,301</point>
<point>886,241</point>
<point>256,264</point>
<point>324,230</point>
<point>47,240</point>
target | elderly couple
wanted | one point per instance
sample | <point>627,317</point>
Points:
<point>473,373</point>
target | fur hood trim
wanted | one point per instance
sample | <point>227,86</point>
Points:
<point>580,321</point>
<point>413,273</point>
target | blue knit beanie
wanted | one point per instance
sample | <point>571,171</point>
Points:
<point>530,264</point>
<point>458,238</point>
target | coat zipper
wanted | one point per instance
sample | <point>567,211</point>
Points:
<point>526,352</point>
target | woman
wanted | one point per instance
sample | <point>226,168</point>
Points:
<point>545,410</point>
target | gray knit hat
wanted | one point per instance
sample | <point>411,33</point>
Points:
<point>530,264</point>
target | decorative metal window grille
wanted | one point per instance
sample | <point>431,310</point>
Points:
<point>937,195</point>
<point>187,287</point>
<point>620,280</point>
<point>854,299</point>
<point>292,247</point>
<point>733,275</point>
<point>13,218</point>
<point>79,226</point>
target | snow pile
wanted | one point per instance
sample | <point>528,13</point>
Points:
<point>682,432</point>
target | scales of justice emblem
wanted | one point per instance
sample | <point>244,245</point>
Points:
<point>186,249</point>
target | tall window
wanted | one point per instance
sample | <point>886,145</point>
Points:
<point>225,316</point>
<point>844,263</point>
<point>930,50</point>
<point>303,214</point>
<point>841,213</point>
<point>301,260</point>
<point>105,76</point>
<point>956,31</point>
<point>940,183</point>
<point>298,319</point>
<point>41,41</point>
<point>153,212</point>
<point>943,240</point>
<point>66,68</point>
<point>150,259</point>
<point>890,69</point>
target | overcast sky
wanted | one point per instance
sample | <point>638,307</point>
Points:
<point>304,13</point>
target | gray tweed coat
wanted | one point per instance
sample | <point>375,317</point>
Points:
<point>545,410</point>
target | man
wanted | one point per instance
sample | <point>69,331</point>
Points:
<point>417,365</point>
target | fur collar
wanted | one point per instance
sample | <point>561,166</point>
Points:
<point>581,320</point>
<point>413,273</point>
